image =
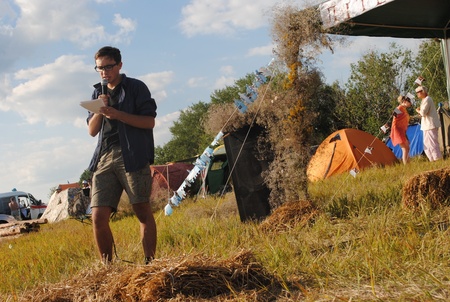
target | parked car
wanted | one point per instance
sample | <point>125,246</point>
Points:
<point>6,218</point>
<point>30,207</point>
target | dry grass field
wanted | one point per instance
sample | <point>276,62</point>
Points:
<point>355,240</point>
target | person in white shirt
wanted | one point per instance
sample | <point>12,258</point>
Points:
<point>429,124</point>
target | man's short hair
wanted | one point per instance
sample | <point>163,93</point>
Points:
<point>109,51</point>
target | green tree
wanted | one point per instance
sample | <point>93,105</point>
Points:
<point>373,87</point>
<point>323,104</point>
<point>230,93</point>
<point>86,175</point>
<point>430,65</point>
<point>188,136</point>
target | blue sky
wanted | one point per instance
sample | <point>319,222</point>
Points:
<point>183,50</point>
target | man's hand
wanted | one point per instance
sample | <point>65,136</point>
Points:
<point>110,112</point>
<point>104,98</point>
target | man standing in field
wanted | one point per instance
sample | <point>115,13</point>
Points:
<point>429,124</point>
<point>124,152</point>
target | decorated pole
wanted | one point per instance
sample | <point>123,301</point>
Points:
<point>202,162</point>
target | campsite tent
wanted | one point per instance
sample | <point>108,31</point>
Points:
<point>215,177</point>
<point>415,137</point>
<point>67,203</point>
<point>217,172</point>
<point>168,178</point>
<point>172,176</point>
<point>345,150</point>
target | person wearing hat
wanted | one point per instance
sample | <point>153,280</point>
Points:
<point>86,188</point>
<point>429,124</point>
<point>400,124</point>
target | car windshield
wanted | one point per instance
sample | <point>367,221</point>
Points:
<point>33,200</point>
<point>24,202</point>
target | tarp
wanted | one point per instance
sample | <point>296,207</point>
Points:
<point>68,203</point>
<point>168,178</point>
<point>346,150</point>
<point>387,18</point>
<point>218,171</point>
<point>415,137</point>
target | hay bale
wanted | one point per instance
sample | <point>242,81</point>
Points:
<point>197,276</point>
<point>289,215</point>
<point>186,278</point>
<point>430,187</point>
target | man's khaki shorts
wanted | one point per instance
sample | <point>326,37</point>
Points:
<point>110,179</point>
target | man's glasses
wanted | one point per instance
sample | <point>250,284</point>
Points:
<point>104,68</point>
<point>419,91</point>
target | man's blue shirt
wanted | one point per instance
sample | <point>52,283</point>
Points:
<point>137,144</point>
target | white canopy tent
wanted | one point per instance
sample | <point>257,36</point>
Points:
<point>391,18</point>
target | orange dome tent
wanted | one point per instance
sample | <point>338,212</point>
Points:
<point>348,149</point>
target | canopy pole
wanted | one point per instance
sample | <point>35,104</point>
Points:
<point>441,118</point>
<point>446,59</point>
<point>445,45</point>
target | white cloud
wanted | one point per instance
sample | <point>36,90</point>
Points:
<point>227,70</point>
<point>196,82</point>
<point>161,131</point>
<point>50,93</point>
<point>157,83</point>
<point>223,82</point>
<point>53,20</point>
<point>261,51</point>
<point>38,165</point>
<point>202,17</point>
<point>33,23</point>
<point>80,122</point>
<point>126,28</point>
<point>5,89</point>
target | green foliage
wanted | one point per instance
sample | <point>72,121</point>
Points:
<point>373,87</point>
<point>86,175</point>
<point>52,190</point>
<point>430,65</point>
<point>188,136</point>
<point>230,93</point>
<point>323,104</point>
<point>166,153</point>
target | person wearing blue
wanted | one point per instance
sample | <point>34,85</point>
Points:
<point>124,152</point>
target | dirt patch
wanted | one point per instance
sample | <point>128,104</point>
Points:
<point>429,188</point>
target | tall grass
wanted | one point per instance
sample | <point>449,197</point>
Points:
<point>363,245</point>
